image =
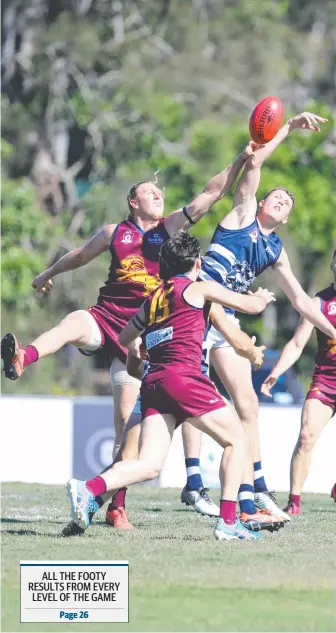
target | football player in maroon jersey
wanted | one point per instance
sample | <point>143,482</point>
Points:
<point>134,246</point>
<point>320,404</point>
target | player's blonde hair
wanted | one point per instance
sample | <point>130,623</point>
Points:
<point>133,191</point>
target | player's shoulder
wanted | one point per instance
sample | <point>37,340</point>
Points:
<point>327,293</point>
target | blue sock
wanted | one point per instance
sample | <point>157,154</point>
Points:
<point>246,499</point>
<point>259,481</point>
<point>194,479</point>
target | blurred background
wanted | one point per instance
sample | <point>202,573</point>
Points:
<point>99,94</point>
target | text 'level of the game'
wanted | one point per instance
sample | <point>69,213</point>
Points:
<point>73,591</point>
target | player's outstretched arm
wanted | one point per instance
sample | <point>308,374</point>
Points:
<point>241,342</point>
<point>299,299</point>
<point>75,258</point>
<point>213,191</point>
<point>244,203</point>
<point>252,303</point>
<point>290,353</point>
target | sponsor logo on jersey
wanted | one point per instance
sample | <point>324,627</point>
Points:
<point>269,250</point>
<point>155,239</point>
<point>133,269</point>
<point>332,308</point>
<point>155,338</point>
<point>127,237</point>
<point>254,235</point>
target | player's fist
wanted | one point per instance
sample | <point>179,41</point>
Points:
<point>306,121</point>
<point>268,384</point>
<point>250,149</point>
<point>257,357</point>
<point>135,348</point>
<point>42,282</point>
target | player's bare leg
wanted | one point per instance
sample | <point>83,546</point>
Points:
<point>315,416</point>
<point>75,328</point>
<point>234,371</point>
<point>116,515</point>
<point>194,493</point>
<point>124,399</point>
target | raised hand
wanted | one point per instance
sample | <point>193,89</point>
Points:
<point>42,282</point>
<point>306,121</point>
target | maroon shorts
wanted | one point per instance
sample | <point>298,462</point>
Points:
<point>110,327</point>
<point>324,393</point>
<point>183,396</point>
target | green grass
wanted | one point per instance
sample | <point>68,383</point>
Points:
<point>181,579</point>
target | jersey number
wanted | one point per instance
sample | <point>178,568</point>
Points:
<point>159,307</point>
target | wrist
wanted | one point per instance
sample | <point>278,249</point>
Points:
<point>290,125</point>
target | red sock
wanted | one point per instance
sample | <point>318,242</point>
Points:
<point>96,486</point>
<point>118,499</point>
<point>295,499</point>
<point>228,511</point>
<point>31,355</point>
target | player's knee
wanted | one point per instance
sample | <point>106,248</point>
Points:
<point>307,440</point>
<point>247,406</point>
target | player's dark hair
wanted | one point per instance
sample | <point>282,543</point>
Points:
<point>131,194</point>
<point>178,255</point>
<point>289,193</point>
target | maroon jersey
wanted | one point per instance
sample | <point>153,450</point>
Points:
<point>133,275</point>
<point>325,361</point>
<point>175,331</point>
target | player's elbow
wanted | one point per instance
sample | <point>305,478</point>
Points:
<point>299,304</point>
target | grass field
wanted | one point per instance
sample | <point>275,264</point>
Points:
<point>181,579</point>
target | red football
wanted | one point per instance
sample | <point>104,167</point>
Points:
<point>266,120</point>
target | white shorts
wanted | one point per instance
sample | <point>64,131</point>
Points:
<point>95,340</point>
<point>119,375</point>
<point>214,339</point>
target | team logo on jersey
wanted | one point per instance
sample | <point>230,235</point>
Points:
<point>156,239</point>
<point>332,308</point>
<point>254,235</point>
<point>332,346</point>
<point>133,269</point>
<point>127,237</point>
<point>240,277</point>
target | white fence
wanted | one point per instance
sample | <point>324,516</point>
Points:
<point>47,440</point>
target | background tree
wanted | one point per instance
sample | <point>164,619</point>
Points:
<point>98,94</point>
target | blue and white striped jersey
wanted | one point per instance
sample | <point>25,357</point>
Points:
<point>235,258</point>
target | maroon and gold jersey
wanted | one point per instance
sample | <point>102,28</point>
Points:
<point>133,275</point>
<point>325,361</point>
<point>175,331</point>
